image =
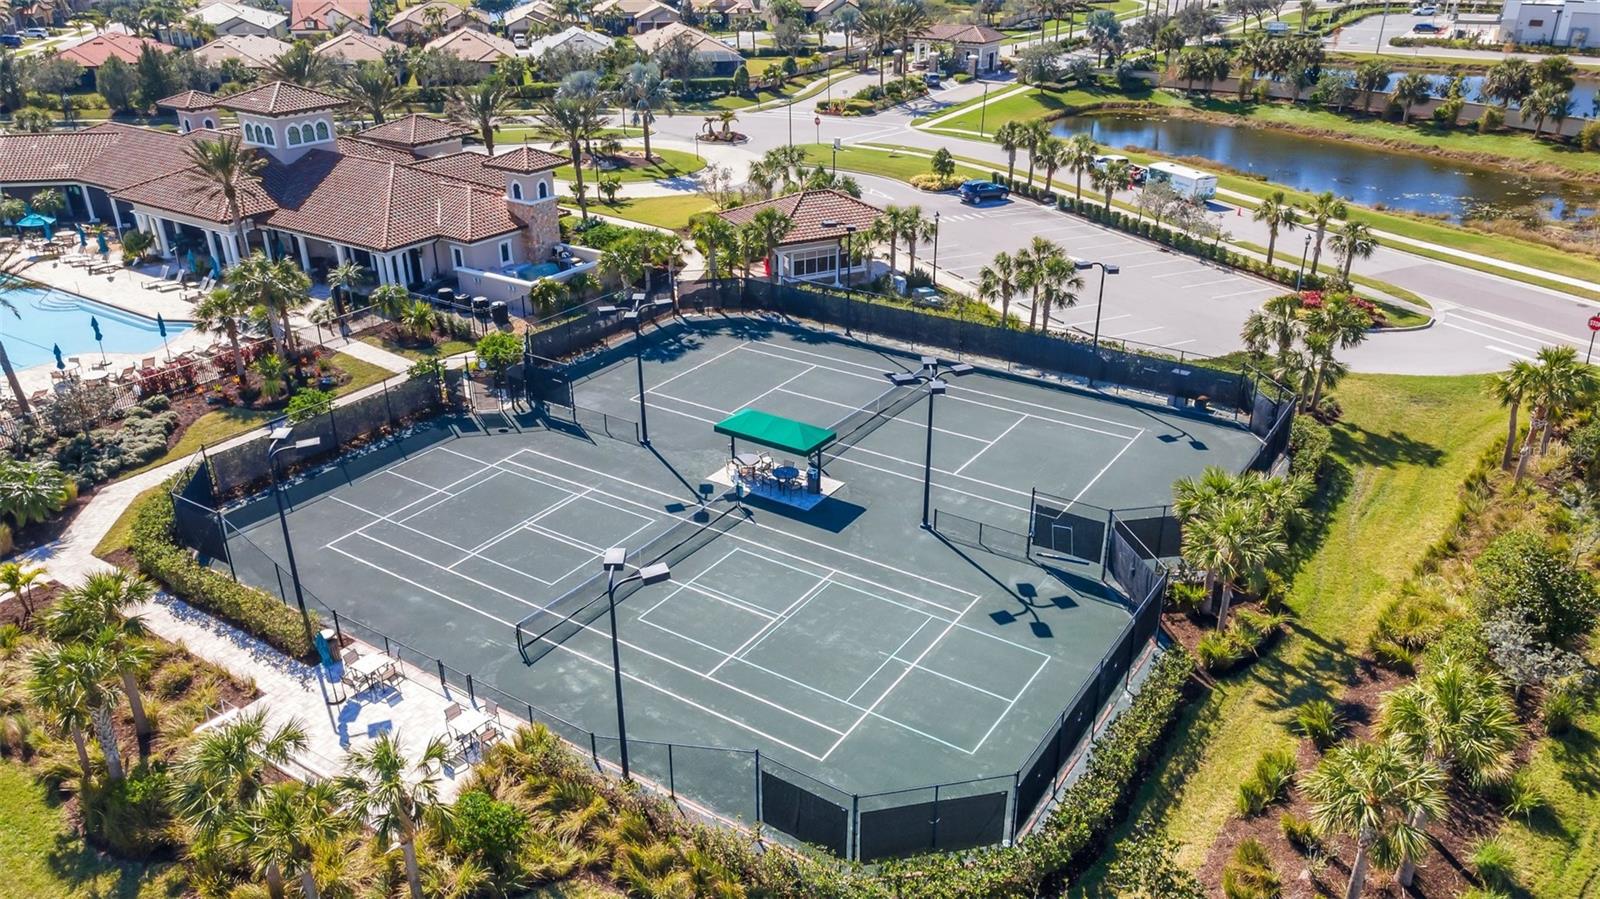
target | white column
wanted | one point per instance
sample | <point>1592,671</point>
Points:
<point>340,253</point>
<point>405,261</point>
<point>159,228</point>
<point>305,257</point>
<point>380,268</point>
<point>266,245</point>
<point>116,213</point>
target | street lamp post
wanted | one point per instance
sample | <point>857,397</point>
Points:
<point>615,560</point>
<point>933,374</point>
<point>849,231</point>
<point>1299,275</point>
<point>634,314</point>
<point>1106,268</point>
<point>279,435</point>
<point>936,250</point>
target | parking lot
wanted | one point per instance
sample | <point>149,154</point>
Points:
<point>1160,297</point>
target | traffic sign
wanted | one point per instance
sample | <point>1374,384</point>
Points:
<point>1594,322</point>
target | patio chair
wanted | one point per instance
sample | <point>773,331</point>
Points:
<point>170,280</point>
<point>147,363</point>
<point>491,734</point>
<point>128,374</point>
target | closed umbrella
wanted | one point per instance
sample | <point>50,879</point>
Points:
<point>105,247</point>
<point>83,239</point>
<point>161,326</point>
<point>216,268</point>
<point>61,364</point>
<point>191,264</point>
<point>94,323</point>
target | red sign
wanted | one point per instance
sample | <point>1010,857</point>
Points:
<point>1594,322</point>
<point>816,120</point>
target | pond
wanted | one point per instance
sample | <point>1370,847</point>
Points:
<point>1369,176</point>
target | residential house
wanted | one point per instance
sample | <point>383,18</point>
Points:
<point>974,48</point>
<point>824,221</point>
<point>196,110</point>
<point>91,54</point>
<point>479,48</point>
<point>420,135</point>
<point>321,200</point>
<point>353,48</point>
<point>572,39</point>
<point>227,18</point>
<point>633,16</point>
<point>421,21</point>
<point>718,59</point>
<point>528,17</point>
<point>253,52</point>
<point>822,10</point>
<point>308,17</point>
<point>1560,23</point>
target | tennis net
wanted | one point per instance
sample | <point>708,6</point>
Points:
<point>854,427</point>
<point>545,629</point>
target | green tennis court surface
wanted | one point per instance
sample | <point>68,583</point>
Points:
<point>857,652</point>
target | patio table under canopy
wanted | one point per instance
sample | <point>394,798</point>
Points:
<point>777,432</point>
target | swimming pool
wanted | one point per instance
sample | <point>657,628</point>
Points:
<point>50,316</point>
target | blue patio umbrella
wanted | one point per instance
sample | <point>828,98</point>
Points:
<point>61,364</point>
<point>194,267</point>
<point>161,326</point>
<point>105,247</point>
<point>83,239</point>
<point>216,268</point>
<point>94,323</point>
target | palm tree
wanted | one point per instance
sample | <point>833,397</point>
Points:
<point>1323,208</point>
<point>278,288</point>
<point>644,91</point>
<point>299,65</point>
<point>1052,153</point>
<point>546,296</point>
<point>1338,325</point>
<point>1510,387</point>
<point>18,579</point>
<point>767,229</point>
<point>998,281</point>
<point>1033,273</point>
<point>1411,89</point>
<point>480,106</point>
<point>1560,383</point>
<point>226,768</point>
<point>1062,282</point>
<point>341,278</point>
<point>912,227</point>
<point>11,261</point>
<point>55,690</point>
<point>576,119</point>
<point>878,26</point>
<point>372,86</point>
<point>910,20</point>
<point>1355,240</point>
<point>227,168</point>
<point>715,237</point>
<point>99,611</point>
<point>1275,210</point>
<point>1111,177</point>
<point>1010,138</point>
<point>78,681</point>
<point>1274,328</point>
<point>1547,101</point>
<point>1457,717</point>
<point>419,320</point>
<point>1033,134</point>
<point>391,300</point>
<point>1079,158</point>
<point>391,795</point>
<point>1372,792</point>
<point>1232,539</point>
<point>278,833</point>
<point>223,311</point>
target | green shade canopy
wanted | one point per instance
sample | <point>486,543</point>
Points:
<point>780,433</point>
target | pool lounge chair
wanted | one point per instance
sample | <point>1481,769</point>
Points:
<point>169,281</point>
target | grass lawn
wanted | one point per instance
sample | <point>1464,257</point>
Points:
<point>886,163</point>
<point>1403,448</point>
<point>1035,103</point>
<point>362,373</point>
<point>43,859</point>
<point>122,529</point>
<point>1557,850</point>
<point>667,164</point>
<point>663,212</point>
<point>439,350</point>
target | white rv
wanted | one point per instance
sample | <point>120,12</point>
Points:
<point>1191,184</point>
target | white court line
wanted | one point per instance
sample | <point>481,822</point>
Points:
<point>695,368</point>
<point>955,680</point>
<point>896,419</point>
<point>770,626</point>
<point>757,398</point>
<point>974,458</point>
<point>1012,704</point>
<point>566,501</point>
<point>996,396</point>
<point>887,658</point>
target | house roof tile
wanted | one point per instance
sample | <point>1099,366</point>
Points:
<point>414,131</point>
<point>354,47</point>
<point>188,101</point>
<point>808,210</point>
<point>280,98</point>
<point>473,46</point>
<point>93,53</point>
<point>526,159</point>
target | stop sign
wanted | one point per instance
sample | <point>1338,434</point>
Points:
<point>1594,322</point>
<point>817,120</point>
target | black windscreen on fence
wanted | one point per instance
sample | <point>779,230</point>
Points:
<point>804,815</point>
<point>1133,572</point>
<point>1154,532</point>
<point>195,518</point>
<point>937,824</point>
<point>1068,528</point>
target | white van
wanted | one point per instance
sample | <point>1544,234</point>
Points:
<point>1191,184</point>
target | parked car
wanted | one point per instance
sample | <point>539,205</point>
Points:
<point>10,40</point>
<point>931,79</point>
<point>38,33</point>
<point>1425,28</point>
<point>1425,9</point>
<point>978,191</point>
<point>520,40</point>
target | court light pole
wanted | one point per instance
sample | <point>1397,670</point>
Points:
<point>936,249</point>
<point>932,375</point>
<point>849,231</point>
<point>1106,268</point>
<point>633,313</point>
<point>278,436</point>
<point>615,560</point>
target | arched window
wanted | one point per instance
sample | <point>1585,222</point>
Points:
<point>210,125</point>
<point>516,191</point>
<point>322,130</point>
<point>185,126</point>
<point>272,139</point>
<point>250,133</point>
<point>544,190</point>
<point>294,135</point>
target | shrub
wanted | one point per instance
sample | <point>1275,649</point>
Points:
<point>1589,137</point>
<point>173,680</point>
<point>1391,655</point>
<point>255,611</point>
<point>307,403</point>
<point>1560,707</point>
<point>488,829</point>
<point>932,181</point>
<point>1583,445</point>
<point>1319,722</point>
<point>1491,120</point>
<point>131,817</point>
<point>1268,783</point>
<point>1186,596</point>
<point>1249,875</point>
<point>1301,833</point>
<point>1521,571</point>
<point>1309,443</point>
<point>1522,795</point>
<point>1495,863</point>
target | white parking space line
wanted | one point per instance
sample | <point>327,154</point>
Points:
<point>1121,334</point>
<point>1228,280</point>
<point>1256,289</point>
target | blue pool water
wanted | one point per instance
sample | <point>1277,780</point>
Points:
<point>531,271</point>
<point>51,316</point>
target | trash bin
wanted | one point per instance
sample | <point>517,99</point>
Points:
<point>480,307</point>
<point>813,480</point>
<point>500,313</point>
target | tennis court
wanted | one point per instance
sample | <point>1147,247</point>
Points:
<point>860,654</point>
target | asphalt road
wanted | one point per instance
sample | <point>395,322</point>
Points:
<point>1362,37</point>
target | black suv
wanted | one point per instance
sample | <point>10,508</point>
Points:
<point>978,191</point>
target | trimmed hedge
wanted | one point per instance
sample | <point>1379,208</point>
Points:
<point>258,613</point>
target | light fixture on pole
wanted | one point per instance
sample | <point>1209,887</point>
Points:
<point>1300,275</point>
<point>278,436</point>
<point>983,106</point>
<point>633,313</point>
<point>836,157</point>
<point>932,374</point>
<point>849,231</point>
<point>1106,268</point>
<point>614,561</point>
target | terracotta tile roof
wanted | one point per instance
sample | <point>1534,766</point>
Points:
<point>966,34</point>
<point>92,53</point>
<point>416,14</point>
<point>52,156</point>
<point>706,47</point>
<point>354,47</point>
<point>808,210</point>
<point>109,155</point>
<point>414,131</point>
<point>186,192</point>
<point>188,101</point>
<point>312,15</point>
<point>473,46</point>
<point>634,8</point>
<point>355,146</point>
<point>256,51</point>
<point>526,159</point>
<point>280,98</point>
<point>465,166</point>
